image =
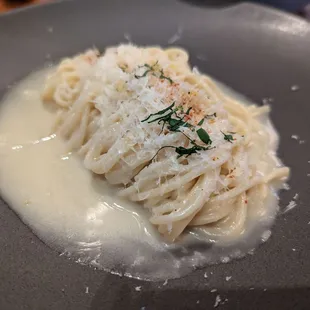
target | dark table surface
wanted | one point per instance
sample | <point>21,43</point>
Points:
<point>290,5</point>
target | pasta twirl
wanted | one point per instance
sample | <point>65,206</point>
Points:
<point>168,135</point>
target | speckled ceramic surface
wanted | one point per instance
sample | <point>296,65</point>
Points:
<point>259,52</point>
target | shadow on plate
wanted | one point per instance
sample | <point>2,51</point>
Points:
<point>212,3</point>
<point>114,295</point>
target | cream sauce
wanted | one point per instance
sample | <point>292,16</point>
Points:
<point>79,214</point>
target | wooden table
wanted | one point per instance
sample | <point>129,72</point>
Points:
<point>6,6</point>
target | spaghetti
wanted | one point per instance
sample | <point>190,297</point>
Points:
<point>167,135</point>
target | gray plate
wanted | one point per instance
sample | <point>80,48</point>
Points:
<point>259,52</point>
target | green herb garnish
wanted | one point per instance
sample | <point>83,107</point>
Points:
<point>188,110</point>
<point>162,76</point>
<point>160,112</point>
<point>148,69</point>
<point>203,136</point>
<point>173,121</point>
<point>175,124</point>
<point>201,122</point>
<point>210,116</point>
<point>183,151</point>
<point>153,70</point>
<point>228,138</point>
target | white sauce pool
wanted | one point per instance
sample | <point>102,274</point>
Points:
<point>79,214</point>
